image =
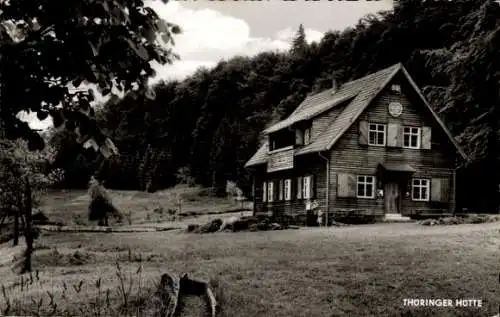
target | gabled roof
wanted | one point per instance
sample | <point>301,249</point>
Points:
<point>260,157</point>
<point>362,92</point>
<point>313,106</point>
<point>370,86</point>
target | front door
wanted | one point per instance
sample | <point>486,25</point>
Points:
<point>392,198</point>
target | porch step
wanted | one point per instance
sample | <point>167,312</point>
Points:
<point>396,218</point>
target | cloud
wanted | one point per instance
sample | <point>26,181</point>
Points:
<point>209,36</point>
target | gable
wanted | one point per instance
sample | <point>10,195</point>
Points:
<point>363,100</point>
<point>414,113</point>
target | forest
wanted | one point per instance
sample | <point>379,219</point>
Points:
<point>203,129</point>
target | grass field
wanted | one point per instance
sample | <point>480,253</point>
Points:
<point>364,270</point>
<point>352,271</point>
<point>71,207</point>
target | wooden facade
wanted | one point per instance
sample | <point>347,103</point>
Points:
<point>393,155</point>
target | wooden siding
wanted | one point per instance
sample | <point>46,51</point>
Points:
<point>308,165</point>
<point>280,160</point>
<point>349,156</point>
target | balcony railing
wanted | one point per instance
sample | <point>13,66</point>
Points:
<point>281,159</point>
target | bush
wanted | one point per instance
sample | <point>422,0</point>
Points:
<point>101,206</point>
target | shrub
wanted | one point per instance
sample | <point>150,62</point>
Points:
<point>101,206</point>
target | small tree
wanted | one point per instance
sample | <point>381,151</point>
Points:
<point>24,180</point>
<point>101,206</point>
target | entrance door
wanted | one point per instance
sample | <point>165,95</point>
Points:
<point>392,198</point>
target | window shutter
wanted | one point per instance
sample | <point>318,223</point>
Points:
<point>270,198</point>
<point>363,132</point>
<point>426,138</point>
<point>307,136</point>
<point>311,186</point>
<point>393,135</point>
<point>346,185</point>
<point>299,187</point>
<point>440,190</point>
<point>399,142</point>
<point>306,188</point>
<point>288,189</point>
<point>264,192</point>
<point>280,190</point>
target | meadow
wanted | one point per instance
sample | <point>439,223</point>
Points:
<point>362,270</point>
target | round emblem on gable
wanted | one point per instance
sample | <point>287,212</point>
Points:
<point>395,109</point>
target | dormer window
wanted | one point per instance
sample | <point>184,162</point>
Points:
<point>281,139</point>
<point>303,136</point>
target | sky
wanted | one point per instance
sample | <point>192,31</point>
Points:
<point>216,30</point>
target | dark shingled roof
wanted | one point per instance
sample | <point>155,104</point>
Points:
<point>260,157</point>
<point>361,92</point>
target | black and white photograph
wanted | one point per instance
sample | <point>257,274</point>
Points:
<point>243,158</point>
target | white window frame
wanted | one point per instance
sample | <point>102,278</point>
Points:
<point>306,187</point>
<point>377,128</point>
<point>287,188</point>
<point>419,184</point>
<point>396,87</point>
<point>410,132</point>
<point>270,191</point>
<point>364,180</point>
<point>264,191</point>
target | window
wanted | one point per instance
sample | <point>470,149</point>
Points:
<point>307,136</point>
<point>306,187</point>
<point>270,191</point>
<point>396,88</point>
<point>365,187</point>
<point>288,189</point>
<point>303,136</point>
<point>264,192</point>
<point>280,190</point>
<point>420,189</point>
<point>411,137</point>
<point>376,134</point>
<point>299,187</point>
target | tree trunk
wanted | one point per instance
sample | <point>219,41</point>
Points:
<point>28,232</point>
<point>16,229</point>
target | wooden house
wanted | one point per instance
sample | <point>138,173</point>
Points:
<point>369,147</point>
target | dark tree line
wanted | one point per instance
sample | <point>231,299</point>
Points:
<point>204,128</point>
